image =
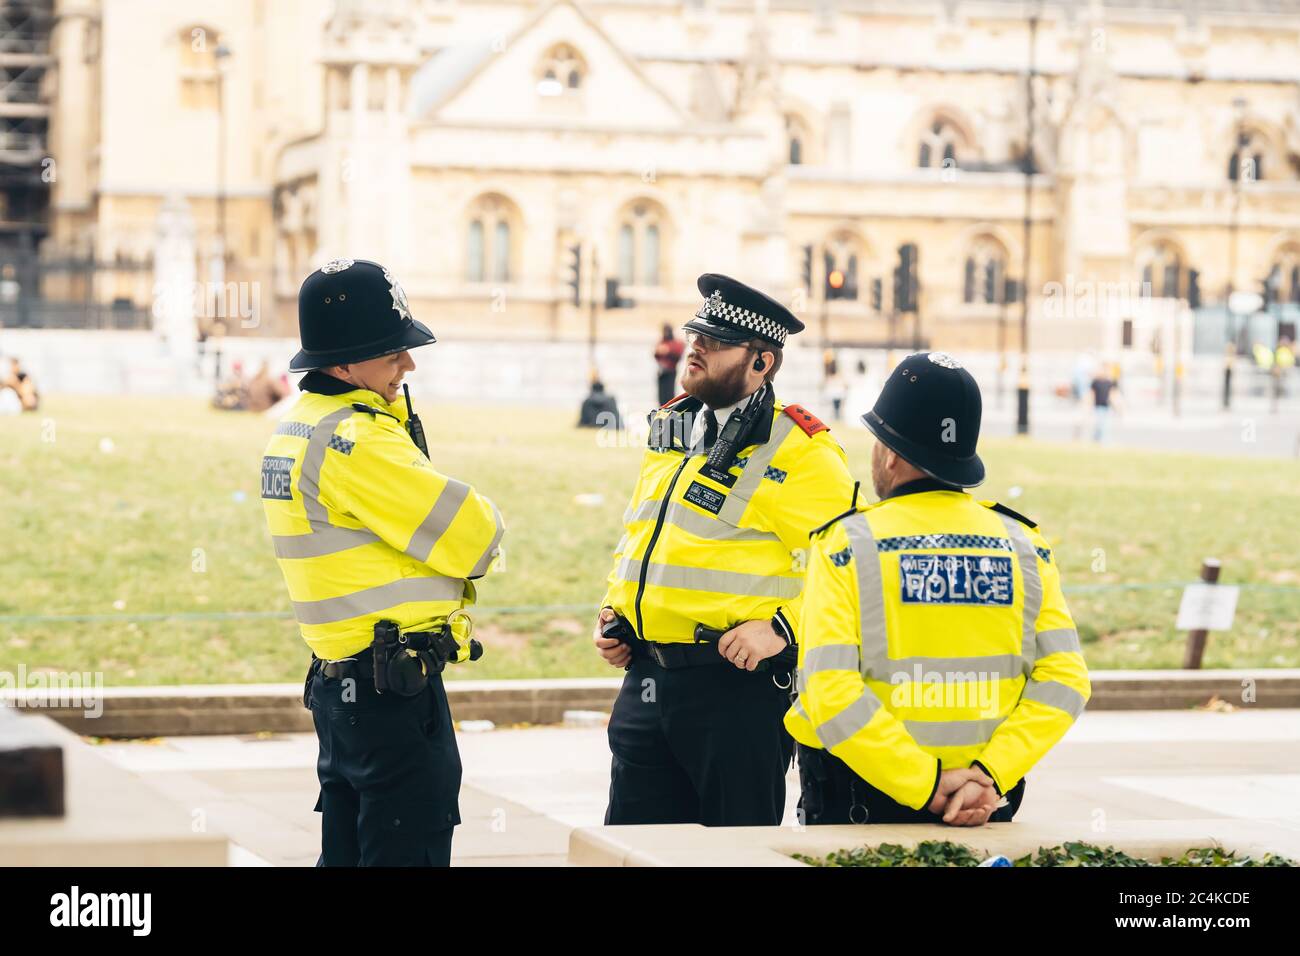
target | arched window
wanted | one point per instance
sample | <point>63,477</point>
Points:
<point>798,140</point>
<point>562,70</point>
<point>984,278</point>
<point>640,238</point>
<point>201,52</point>
<point>1163,271</point>
<point>490,240</point>
<point>940,144</point>
<point>1283,279</point>
<point>1247,159</point>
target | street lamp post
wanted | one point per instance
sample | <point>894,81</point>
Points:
<point>1236,164</point>
<point>222,53</point>
<point>1022,390</point>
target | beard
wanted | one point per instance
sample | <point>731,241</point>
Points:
<point>879,480</point>
<point>720,389</point>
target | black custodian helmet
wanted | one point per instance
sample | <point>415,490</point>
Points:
<point>350,310</point>
<point>929,414</point>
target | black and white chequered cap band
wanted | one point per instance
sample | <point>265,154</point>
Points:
<point>715,308</point>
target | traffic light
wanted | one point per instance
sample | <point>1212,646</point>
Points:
<point>612,299</point>
<point>1193,289</point>
<point>877,294</point>
<point>1269,286</point>
<point>805,271</point>
<point>575,272</point>
<point>906,286</point>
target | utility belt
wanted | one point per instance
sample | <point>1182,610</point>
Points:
<point>401,662</point>
<point>702,652</point>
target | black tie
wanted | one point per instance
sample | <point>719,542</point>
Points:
<point>710,428</point>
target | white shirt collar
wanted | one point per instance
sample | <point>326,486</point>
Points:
<point>722,414</point>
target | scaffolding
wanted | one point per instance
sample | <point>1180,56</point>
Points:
<point>25,61</point>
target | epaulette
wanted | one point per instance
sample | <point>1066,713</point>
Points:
<point>1003,509</point>
<point>853,507</point>
<point>372,411</point>
<point>806,420</point>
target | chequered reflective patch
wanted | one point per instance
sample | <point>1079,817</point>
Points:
<point>841,558</point>
<point>1045,554</point>
<point>341,444</point>
<point>297,429</point>
<point>775,474</point>
<point>739,463</point>
<point>943,541</point>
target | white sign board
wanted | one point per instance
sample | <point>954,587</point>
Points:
<point>1208,607</point>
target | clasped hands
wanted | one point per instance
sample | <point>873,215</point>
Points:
<point>966,797</point>
<point>745,645</point>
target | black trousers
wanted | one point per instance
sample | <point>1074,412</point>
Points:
<point>832,793</point>
<point>698,745</point>
<point>389,774</point>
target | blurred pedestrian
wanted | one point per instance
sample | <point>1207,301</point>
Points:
<point>1104,396</point>
<point>599,410</point>
<point>668,355</point>
<point>265,391</point>
<point>22,386</point>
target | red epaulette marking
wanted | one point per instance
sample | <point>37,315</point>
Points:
<point>673,401</point>
<point>806,420</point>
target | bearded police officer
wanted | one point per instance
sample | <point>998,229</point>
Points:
<point>938,661</point>
<point>378,551</point>
<point>704,598</point>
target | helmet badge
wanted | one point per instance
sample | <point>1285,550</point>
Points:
<point>943,359</point>
<point>399,296</point>
<point>336,265</point>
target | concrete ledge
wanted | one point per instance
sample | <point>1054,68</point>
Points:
<point>111,818</point>
<point>693,845</point>
<point>252,708</point>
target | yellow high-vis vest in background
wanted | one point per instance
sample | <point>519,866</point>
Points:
<point>717,549</point>
<point>935,635</point>
<point>364,528</point>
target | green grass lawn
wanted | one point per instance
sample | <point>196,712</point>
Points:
<point>169,522</point>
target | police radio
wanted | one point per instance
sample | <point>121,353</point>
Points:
<point>736,432</point>
<point>413,426</point>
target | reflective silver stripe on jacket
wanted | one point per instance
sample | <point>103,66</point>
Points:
<point>380,598</point>
<point>438,520</point>
<point>755,469</point>
<point>485,559</point>
<point>952,733</point>
<point>324,538</point>
<point>1064,639</point>
<point>871,597</point>
<point>705,579</point>
<point>1032,588</point>
<point>700,525</point>
<point>835,730</point>
<point>1055,694</point>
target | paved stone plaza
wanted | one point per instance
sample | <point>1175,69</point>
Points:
<point>525,790</point>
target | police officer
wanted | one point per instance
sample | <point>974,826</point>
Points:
<point>704,598</point>
<point>938,662</point>
<point>378,550</point>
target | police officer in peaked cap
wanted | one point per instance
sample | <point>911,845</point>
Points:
<point>939,661</point>
<point>379,553</point>
<point>704,594</point>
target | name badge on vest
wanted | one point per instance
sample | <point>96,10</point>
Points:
<point>721,476</point>
<point>276,478</point>
<point>955,579</point>
<point>703,496</point>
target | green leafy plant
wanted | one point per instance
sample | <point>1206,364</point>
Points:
<point>947,853</point>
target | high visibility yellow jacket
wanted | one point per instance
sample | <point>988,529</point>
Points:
<point>363,526</point>
<point>935,636</point>
<point>724,548</point>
